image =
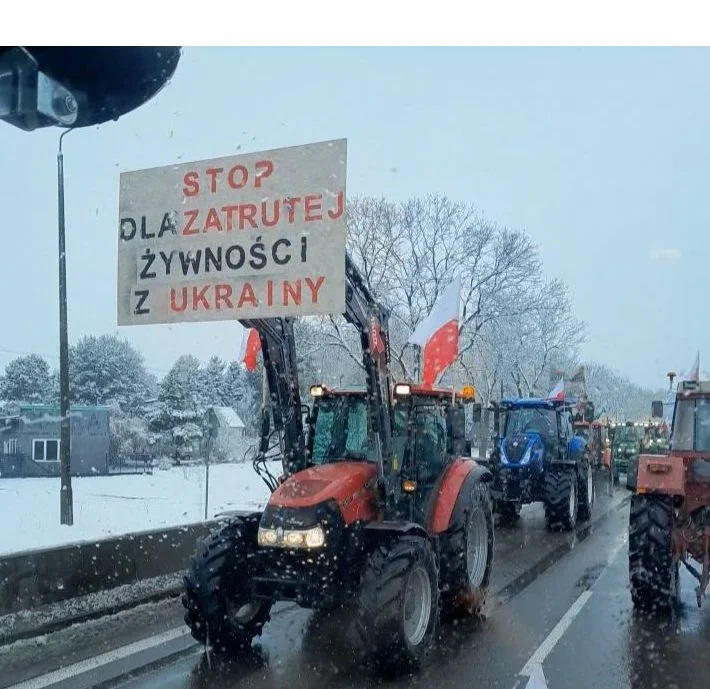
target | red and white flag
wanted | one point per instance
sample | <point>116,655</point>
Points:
<point>438,334</point>
<point>695,371</point>
<point>558,392</point>
<point>251,346</point>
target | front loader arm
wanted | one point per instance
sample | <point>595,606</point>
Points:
<point>278,348</point>
<point>372,322</point>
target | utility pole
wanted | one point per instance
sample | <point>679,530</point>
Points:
<point>66,500</point>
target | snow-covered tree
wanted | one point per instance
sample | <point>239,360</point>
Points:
<point>178,418</point>
<point>212,382</point>
<point>242,392</point>
<point>106,370</point>
<point>26,379</point>
<point>129,439</point>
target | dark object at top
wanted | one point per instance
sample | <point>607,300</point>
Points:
<point>79,86</point>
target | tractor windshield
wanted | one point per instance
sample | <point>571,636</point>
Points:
<point>340,430</point>
<point>532,420</point>
<point>691,427</point>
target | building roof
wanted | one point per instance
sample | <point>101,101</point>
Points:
<point>228,418</point>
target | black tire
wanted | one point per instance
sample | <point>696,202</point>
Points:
<point>561,498</point>
<point>586,491</point>
<point>388,642</point>
<point>466,575</point>
<point>217,600</point>
<point>652,572</point>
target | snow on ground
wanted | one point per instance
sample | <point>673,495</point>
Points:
<point>106,506</point>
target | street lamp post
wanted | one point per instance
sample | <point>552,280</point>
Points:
<point>66,501</point>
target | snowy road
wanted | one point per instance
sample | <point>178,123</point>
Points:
<point>571,628</point>
<point>538,577</point>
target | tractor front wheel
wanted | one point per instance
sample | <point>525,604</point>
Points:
<point>398,604</point>
<point>653,573</point>
<point>561,498</point>
<point>217,597</point>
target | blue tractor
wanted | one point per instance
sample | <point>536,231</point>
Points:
<point>538,458</point>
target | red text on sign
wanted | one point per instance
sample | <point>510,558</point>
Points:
<point>250,216</point>
<point>222,296</point>
<point>212,179</point>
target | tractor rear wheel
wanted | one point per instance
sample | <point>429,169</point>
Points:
<point>467,556</point>
<point>561,498</point>
<point>586,491</point>
<point>217,597</point>
<point>398,604</point>
<point>652,571</point>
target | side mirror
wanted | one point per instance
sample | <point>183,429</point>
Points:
<point>476,412</point>
<point>265,430</point>
<point>657,409</point>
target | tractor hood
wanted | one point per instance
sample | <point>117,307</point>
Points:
<point>339,481</point>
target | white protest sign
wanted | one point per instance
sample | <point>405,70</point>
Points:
<point>250,236</point>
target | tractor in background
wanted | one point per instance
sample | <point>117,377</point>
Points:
<point>538,457</point>
<point>669,520</point>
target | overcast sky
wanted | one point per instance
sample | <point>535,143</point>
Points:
<point>601,155</point>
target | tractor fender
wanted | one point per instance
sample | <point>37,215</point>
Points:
<point>384,530</point>
<point>461,475</point>
<point>564,462</point>
<point>225,519</point>
<point>237,514</point>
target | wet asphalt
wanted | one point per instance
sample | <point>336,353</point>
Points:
<point>538,577</point>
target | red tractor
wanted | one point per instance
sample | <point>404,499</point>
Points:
<point>379,506</point>
<point>669,522</point>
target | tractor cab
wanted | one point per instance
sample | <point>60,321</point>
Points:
<point>691,421</point>
<point>339,427</point>
<point>428,434</point>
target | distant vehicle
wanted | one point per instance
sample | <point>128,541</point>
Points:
<point>627,440</point>
<point>631,439</point>
<point>669,520</point>
<point>538,457</point>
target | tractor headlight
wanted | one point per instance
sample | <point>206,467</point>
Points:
<point>267,537</point>
<point>315,537</point>
<point>292,538</point>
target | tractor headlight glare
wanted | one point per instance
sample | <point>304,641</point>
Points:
<point>315,537</point>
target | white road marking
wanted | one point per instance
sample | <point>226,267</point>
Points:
<point>99,661</point>
<point>537,678</point>
<point>543,650</point>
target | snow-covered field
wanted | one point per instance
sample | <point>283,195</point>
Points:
<point>106,506</point>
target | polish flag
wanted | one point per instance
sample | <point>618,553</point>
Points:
<point>558,392</point>
<point>695,371</point>
<point>376,344</point>
<point>251,345</point>
<point>438,334</point>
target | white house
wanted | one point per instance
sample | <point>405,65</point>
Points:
<point>228,432</point>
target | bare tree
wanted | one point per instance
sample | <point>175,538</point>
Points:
<point>548,334</point>
<point>409,253</point>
